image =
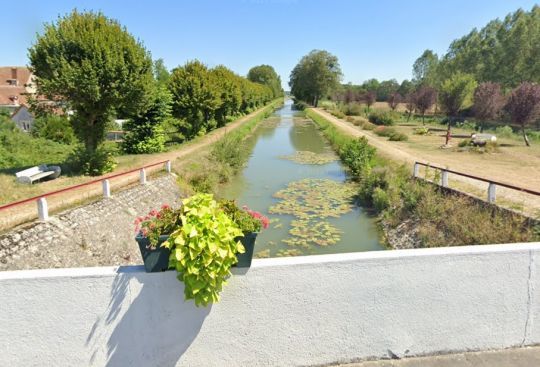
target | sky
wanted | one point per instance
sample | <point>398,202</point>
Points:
<point>371,38</point>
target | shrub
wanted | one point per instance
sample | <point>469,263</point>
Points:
<point>352,109</point>
<point>384,131</point>
<point>381,200</point>
<point>377,178</point>
<point>421,131</point>
<point>337,113</point>
<point>92,163</point>
<point>534,135</point>
<point>55,128</point>
<point>464,143</point>
<point>349,119</point>
<point>300,105</point>
<point>327,105</point>
<point>504,131</point>
<point>368,126</point>
<point>358,155</point>
<point>398,137</point>
<point>381,118</point>
<point>247,220</point>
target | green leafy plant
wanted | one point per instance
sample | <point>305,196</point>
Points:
<point>92,163</point>
<point>381,118</point>
<point>357,155</point>
<point>421,131</point>
<point>204,248</point>
<point>247,220</point>
<point>398,137</point>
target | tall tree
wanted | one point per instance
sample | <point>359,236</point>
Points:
<point>455,95</point>
<point>195,97</point>
<point>369,98</point>
<point>387,88</point>
<point>424,98</point>
<point>144,132</point>
<point>488,101</point>
<point>266,75</point>
<point>425,68</point>
<point>410,103</point>
<point>95,66</point>
<point>405,87</point>
<point>394,100</point>
<point>161,73</point>
<point>230,93</point>
<point>315,76</point>
<point>524,106</point>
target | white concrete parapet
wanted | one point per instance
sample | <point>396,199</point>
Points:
<point>310,310</point>
<point>43,209</point>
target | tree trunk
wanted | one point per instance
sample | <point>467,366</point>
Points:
<point>448,131</point>
<point>409,116</point>
<point>423,122</point>
<point>525,138</point>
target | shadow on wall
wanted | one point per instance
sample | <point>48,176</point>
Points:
<point>154,328</point>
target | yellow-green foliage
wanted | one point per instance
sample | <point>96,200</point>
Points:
<point>204,248</point>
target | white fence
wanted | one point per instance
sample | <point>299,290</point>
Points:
<point>282,312</point>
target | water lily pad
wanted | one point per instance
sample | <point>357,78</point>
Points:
<point>315,197</point>
<point>289,252</point>
<point>307,157</point>
<point>262,254</point>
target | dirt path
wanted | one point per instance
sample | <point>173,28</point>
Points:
<point>525,172</point>
<point>27,212</point>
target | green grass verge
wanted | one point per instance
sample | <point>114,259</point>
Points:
<point>441,219</point>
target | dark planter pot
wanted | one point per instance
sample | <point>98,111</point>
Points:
<point>244,260</point>
<point>155,260</point>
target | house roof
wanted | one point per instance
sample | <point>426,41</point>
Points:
<point>15,84</point>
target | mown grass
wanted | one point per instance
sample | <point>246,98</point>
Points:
<point>442,219</point>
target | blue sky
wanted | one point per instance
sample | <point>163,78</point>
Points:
<point>378,39</point>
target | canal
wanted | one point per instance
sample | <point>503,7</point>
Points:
<point>295,179</point>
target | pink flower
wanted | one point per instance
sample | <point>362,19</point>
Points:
<point>153,212</point>
<point>165,206</point>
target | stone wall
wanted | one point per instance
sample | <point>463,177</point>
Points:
<point>97,234</point>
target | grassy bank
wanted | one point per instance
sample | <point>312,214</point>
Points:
<point>438,219</point>
<point>221,160</point>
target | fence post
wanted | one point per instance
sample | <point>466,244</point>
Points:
<point>43,209</point>
<point>444,178</point>
<point>491,192</point>
<point>143,176</point>
<point>416,169</point>
<point>106,189</point>
<point>168,166</point>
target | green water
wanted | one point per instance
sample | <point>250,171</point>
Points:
<point>284,133</point>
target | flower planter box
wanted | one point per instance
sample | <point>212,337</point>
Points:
<point>244,260</point>
<point>157,260</point>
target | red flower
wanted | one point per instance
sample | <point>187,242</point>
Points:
<point>165,206</point>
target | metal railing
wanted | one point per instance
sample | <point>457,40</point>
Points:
<point>492,184</point>
<point>42,206</point>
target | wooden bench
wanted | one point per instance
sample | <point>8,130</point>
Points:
<point>36,173</point>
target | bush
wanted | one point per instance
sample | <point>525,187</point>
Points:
<point>381,118</point>
<point>229,151</point>
<point>421,131</point>
<point>352,109</point>
<point>534,135</point>
<point>368,126</point>
<point>19,149</point>
<point>358,155</point>
<point>377,178</point>
<point>350,119</point>
<point>337,113</point>
<point>504,132</point>
<point>381,200</point>
<point>464,143</point>
<point>327,105</point>
<point>55,128</point>
<point>300,105</point>
<point>384,131</point>
<point>398,137</point>
<point>92,163</point>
